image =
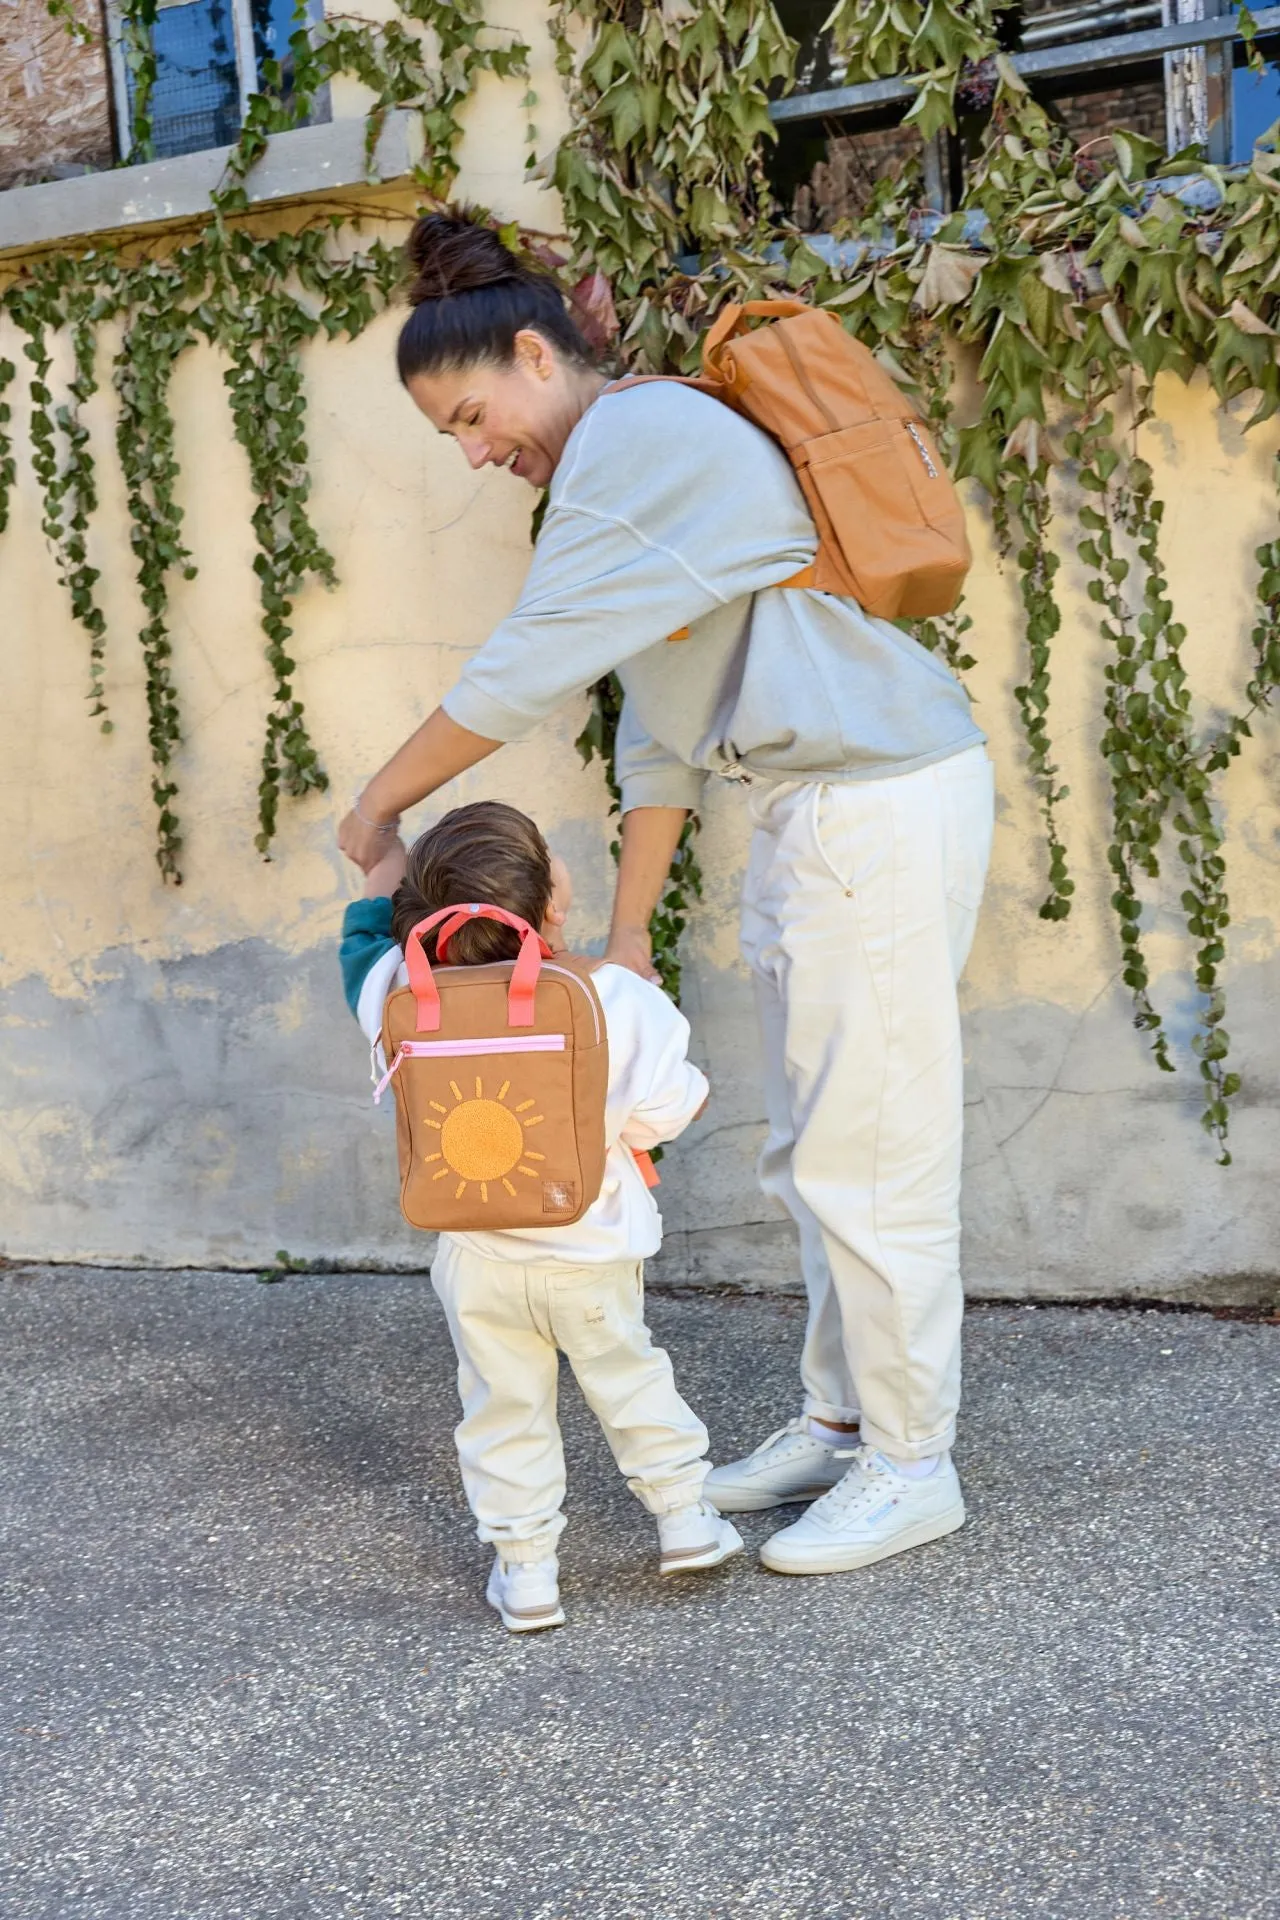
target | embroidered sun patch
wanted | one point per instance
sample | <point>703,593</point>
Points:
<point>483,1140</point>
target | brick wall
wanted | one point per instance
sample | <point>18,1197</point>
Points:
<point>55,103</point>
<point>1137,108</point>
<point>841,184</point>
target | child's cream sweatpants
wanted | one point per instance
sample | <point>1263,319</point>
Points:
<point>508,1324</point>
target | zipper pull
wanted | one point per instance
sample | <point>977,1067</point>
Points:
<point>923,451</point>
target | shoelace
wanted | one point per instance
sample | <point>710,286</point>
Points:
<point>866,1482</point>
<point>797,1429</point>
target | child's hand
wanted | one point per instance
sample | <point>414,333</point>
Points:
<point>385,875</point>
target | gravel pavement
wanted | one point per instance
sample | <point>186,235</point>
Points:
<point>247,1671</point>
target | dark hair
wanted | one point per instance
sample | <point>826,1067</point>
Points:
<point>487,852</point>
<point>471,296</point>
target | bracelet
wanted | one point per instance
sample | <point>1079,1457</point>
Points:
<point>378,826</point>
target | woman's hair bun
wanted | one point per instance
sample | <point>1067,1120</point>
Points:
<point>451,254</point>
<point>471,297</point>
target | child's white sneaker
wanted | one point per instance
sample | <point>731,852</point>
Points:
<point>791,1465</point>
<point>694,1537</point>
<point>526,1593</point>
<point>874,1512</point>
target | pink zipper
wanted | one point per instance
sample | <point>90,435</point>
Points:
<point>458,1049</point>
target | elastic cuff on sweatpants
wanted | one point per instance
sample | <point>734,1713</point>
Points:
<point>510,1547</point>
<point>671,1495</point>
<point>894,1448</point>
<point>827,1410</point>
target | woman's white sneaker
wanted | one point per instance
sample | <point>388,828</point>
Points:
<point>526,1593</point>
<point>872,1513</point>
<point>694,1537</point>
<point>792,1464</point>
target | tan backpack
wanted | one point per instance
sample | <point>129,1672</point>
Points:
<point>891,532</point>
<point>500,1075</point>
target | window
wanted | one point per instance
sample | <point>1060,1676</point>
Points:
<point>1173,70</point>
<point>209,56</point>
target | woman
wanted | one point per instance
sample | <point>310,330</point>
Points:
<point>871,795</point>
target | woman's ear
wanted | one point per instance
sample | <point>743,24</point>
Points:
<point>533,355</point>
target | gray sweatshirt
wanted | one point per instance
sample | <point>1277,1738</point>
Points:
<point>669,510</point>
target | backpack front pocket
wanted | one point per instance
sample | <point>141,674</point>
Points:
<point>882,484</point>
<point>492,1142</point>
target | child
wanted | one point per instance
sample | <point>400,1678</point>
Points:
<point>513,1299</point>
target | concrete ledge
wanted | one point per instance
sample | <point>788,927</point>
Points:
<point>313,160</point>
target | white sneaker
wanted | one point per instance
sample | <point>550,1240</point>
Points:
<point>694,1537</point>
<point>526,1593</point>
<point>872,1513</point>
<point>790,1465</point>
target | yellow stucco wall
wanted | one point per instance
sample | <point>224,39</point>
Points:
<point>183,1083</point>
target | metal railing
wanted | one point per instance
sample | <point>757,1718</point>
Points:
<point>1037,62</point>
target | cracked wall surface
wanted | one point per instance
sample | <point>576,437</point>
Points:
<point>179,1080</point>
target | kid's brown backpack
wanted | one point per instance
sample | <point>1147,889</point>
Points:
<point>500,1075</point>
<point>891,532</point>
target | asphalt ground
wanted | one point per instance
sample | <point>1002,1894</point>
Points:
<point>247,1669</point>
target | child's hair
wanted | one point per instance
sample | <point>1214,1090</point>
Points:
<point>487,852</point>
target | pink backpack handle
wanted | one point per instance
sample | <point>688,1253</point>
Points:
<point>524,979</point>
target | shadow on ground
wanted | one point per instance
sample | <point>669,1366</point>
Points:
<point>249,1673</point>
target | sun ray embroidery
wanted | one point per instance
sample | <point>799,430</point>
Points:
<point>483,1142</point>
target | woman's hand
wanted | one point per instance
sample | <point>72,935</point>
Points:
<point>631,947</point>
<point>429,758</point>
<point>650,836</point>
<point>364,839</point>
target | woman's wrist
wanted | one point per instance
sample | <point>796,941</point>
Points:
<point>371,813</point>
<point>629,926</point>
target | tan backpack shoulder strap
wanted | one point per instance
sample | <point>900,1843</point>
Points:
<point>697,380</point>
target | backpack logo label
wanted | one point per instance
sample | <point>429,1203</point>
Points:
<point>559,1196</point>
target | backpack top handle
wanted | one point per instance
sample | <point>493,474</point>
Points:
<point>521,998</point>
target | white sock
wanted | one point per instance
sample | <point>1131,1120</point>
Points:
<point>915,1469</point>
<point>831,1436</point>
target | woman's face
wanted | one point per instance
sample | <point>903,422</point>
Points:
<point>517,416</point>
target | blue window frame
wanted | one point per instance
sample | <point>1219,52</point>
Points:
<point>209,55</point>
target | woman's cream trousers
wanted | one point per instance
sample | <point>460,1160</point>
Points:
<point>858,913</point>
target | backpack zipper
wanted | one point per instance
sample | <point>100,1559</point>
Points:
<point>549,966</point>
<point>461,1049</point>
<point>500,1043</point>
<point>923,451</point>
<point>788,347</point>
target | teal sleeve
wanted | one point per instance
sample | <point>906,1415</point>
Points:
<point>366,936</point>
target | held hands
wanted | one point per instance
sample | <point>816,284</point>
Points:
<point>387,871</point>
<point>631,947</point>
<point>364,838</point>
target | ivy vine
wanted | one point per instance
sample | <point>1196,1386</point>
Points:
<point>159,331</point>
